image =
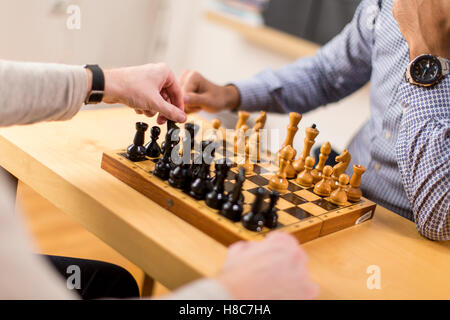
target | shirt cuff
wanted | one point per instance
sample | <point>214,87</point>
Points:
<point>256,92</point>
<point>204,289</point>
<point>422,103</point>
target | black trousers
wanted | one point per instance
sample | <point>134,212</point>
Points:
<point>95,279</point>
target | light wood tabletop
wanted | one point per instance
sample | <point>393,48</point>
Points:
<point>61,161</point>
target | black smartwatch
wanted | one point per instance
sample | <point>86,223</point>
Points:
<point>427,70</point>
<point>98,85</point>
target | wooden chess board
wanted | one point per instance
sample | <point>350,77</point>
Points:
<point>301,212</point>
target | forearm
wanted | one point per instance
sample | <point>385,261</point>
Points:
<point>339,68</point>
<point>423,154</point>
<point>33,92</point>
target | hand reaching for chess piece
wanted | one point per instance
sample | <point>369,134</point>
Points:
<point>148,89</point>
<point>274,268</point>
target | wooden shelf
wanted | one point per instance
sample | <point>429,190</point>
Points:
<point>267,37</point>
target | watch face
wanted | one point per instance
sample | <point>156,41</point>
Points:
<point>426,69</point>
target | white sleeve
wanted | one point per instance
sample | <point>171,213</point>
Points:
<point>23,275</point>
<point>204,289</point>
<point>33,92</point>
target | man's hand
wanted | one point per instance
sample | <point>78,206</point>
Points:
<point>425,25</point>
<point>148,89</point>
<point>271,269</point>
<point>201,94</point>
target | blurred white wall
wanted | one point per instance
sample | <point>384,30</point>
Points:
<point>112,32</point>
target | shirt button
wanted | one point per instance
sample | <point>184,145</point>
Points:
<point>377,166</point>
<point>403,110</point>
<point>387,135</point>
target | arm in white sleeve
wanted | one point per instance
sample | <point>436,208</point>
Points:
<point>33,92</point>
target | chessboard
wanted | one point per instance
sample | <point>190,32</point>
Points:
<point>301,212</point>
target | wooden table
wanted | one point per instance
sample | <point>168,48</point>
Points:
<point>61,161</point>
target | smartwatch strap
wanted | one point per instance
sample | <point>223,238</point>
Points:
<point>98,84</point>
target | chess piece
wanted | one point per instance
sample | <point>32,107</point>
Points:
<point>192,128</point>
<point>254,220</point>
<point>216,197</point>
<point>323,187</point>
<point>354,192</point>
<point>255,139</point>
<point>170,125</point>
<point>246,162</point>
<point>233,207</point>
<point>325,150</point>
<point>290,171</point>
<point>242,119</point>
<point>241,137</point>
<point>305,178</point>
<point>152,148</point>
<point>180,177</point>
<point>278,182</point>
<point>294,120</point>
<point>270,214</point>
<point>136,152</point>
<point>311,134</point>
<point>214,131</point>
<point>165,164</point>
<point>343,161</point>
<point>199,186</point>
<point>260,122</point>
<point>339,196</point>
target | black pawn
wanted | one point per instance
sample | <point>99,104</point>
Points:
<point>164,165</point>
<point>198,187</point>
<point>270,214</point>
<point>254,220</point>
<point>180,177</point>
<point>136,151</point>
<point>170,125</point>
<point>152,148</point>
<point>216,197</point>
<point>233,207</point>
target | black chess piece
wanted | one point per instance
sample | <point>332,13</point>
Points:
<point>170,125</point>
<point>233,207</point>
<point>270,214</point>
<point>192,128</point>
<point>152,148</point>
<point>165,164</point>
<point>216,197</point>
<point>180,177</point>
<point>198,186</point>
<point>136,151</point>
<point>254,220</point>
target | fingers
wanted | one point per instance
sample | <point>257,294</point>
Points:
<point>168,111</point>
<point>173,91</point>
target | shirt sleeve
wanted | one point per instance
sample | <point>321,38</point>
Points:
<point>23,275</point>
<point>339,68</point>
<point>423,155</point>
<point>204,289</point>
<point>33,92</point>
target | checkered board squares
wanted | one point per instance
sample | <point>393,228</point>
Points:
<point>301,212</point>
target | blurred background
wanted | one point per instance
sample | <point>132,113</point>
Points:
<point>224,40</point>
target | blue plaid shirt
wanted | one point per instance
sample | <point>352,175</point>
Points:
<point>405,144</point>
